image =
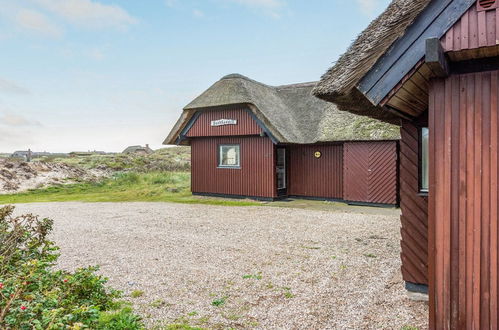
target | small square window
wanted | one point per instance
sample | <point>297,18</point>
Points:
<point>424,164</point>
<point>229,156</point>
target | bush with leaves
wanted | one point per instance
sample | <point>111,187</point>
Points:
<point>33,295</point>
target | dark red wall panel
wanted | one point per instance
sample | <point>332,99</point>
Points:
<point>316,177</point>
<point>475,29</point>
<point>255,178</point>
<point>463,212</point>
<point>370,172</point>
<point>245,124</point>
<point>414,207</point>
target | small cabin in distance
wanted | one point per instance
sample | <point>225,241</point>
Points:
<point>252,140</point>
<point>138,150</point>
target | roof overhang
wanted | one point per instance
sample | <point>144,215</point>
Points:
<point>402,70</point>
<point>396,84</point>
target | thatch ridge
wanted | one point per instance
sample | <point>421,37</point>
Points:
<point>290,112</point>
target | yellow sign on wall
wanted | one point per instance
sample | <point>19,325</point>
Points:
<point>318,154</point>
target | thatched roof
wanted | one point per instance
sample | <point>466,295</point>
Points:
<point>138,149</point>
<point>290,112</point>
<point>338,84</point>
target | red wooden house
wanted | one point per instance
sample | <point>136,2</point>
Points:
<point>253,140</point>
<point>433,67</point>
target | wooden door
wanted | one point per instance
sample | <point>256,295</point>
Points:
<point>463,197</point>
<point>370,170</point>
<point>316,171</point>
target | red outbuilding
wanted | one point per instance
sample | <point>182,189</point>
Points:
<point>252,140</point>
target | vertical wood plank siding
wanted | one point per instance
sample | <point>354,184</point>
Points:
<point>463,211</point>
<point>255,178</point>
<point>475,29</point>
<point>414,217</point>
<point>316,177</point>
<point>245,124</point>
<point>370,172</point>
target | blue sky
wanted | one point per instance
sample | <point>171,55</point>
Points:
<point>101,75</point>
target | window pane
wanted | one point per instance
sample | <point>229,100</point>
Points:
<point>425,154</point>
<point>229,155</point>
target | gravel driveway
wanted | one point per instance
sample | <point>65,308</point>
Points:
<point>264,267</point>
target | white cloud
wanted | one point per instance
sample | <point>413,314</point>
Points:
<point>367,7</point>
<point>267,4</point>
<point>11,87</point>
<point>170,3</point>
<point>96,54</point>
<point>36,22</point>
<point>269,7</point>
<point>11,140</point>
<point>10,119</point>
<point>197,13</point>
<point>88,13</point>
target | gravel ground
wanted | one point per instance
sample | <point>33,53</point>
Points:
<point>266,267</point>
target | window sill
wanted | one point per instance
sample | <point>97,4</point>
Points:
<point>229,167</point>
<point>423,194</point>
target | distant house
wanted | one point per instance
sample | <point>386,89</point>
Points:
<point>28,155</point>
<point>21,154</point>
<point>138,150</point>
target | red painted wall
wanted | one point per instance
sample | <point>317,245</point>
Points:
<point>316,177</point>
<point>463,212</point>
<point>370,172</point>
<point>245,124</point>
<point>414,207</point>
<point>475,29</point>
<point>255,178</point>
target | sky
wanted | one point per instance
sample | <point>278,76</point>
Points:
<point>78,75</point>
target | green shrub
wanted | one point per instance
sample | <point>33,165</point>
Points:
<point>35,296</point>
<point>121,319</point>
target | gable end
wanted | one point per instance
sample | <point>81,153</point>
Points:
<point>406,52</point>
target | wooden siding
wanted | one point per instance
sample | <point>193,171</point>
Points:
<point>245,124</point>
<point>414,217</point>
<point>463,213</point>
<point>370,172</point>
<point>255,178</point>
<point>475,29</point>
<point>316,177</point>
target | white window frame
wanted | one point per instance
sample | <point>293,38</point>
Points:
<point>238,155</point>
<point>424,161</point>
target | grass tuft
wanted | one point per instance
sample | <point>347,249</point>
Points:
<point>219,302</point>
<point>137,293</point>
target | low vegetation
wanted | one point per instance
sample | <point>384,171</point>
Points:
<point>35,296</point>
<point>160,177</point>
<point>123,187</point>
<point>163,160</point>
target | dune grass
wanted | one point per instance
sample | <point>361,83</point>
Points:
<point>124,187</point>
